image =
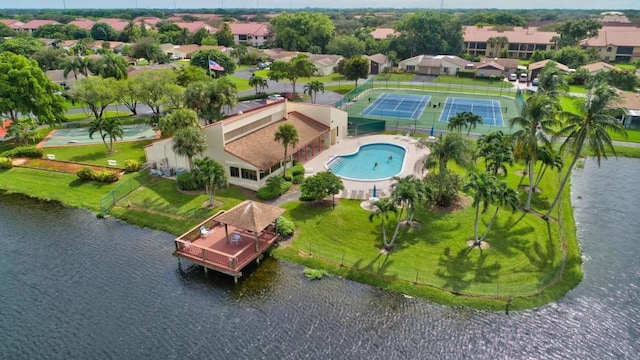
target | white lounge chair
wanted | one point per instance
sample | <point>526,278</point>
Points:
<point>204,231</point>
<point>236,237</point>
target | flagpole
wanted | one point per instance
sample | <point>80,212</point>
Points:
<point>209,64</point>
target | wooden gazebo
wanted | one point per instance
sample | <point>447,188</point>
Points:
<point>249,215</point>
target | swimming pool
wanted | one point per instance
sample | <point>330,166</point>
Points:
<point>371,162</point>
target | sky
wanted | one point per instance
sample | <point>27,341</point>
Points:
<point>252,4</point>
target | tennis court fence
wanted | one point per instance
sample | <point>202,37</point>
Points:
<point>123,189</point>
<point>357,126</point>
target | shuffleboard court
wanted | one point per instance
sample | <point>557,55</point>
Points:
<point>489,110</point>
<point>80,136</point>
<point>405,106</point>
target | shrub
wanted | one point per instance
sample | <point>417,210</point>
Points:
<point>276,186</point>
<point>285,226</point>
<point>297,169</point>
<point>314,274</point>
<point>185,182</point>
<point>5,163</point>
<point>132,165</point>
<point>298,178</point>
<point>25,151</point>
<point>105,176</point>
<point>266,193</point>
<point>86,174</point>
<point>253,97</point>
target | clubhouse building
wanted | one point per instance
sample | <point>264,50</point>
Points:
<point>244,143</point>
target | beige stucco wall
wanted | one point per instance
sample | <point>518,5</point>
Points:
<point>216,135</point>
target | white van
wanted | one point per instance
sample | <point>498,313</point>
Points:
<point>523,77</point>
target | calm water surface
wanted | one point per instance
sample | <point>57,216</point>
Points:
<point>75,287</point>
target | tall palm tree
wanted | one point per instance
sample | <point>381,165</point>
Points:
<point>258,82</point>
<point>312,88</point>
<point>211,174</point>
<point>287,134</point>
<point>382,209</point>
<point>448,148</point>
<point>406,193</point>
<point>548,158</point>
<point>483,187</point>
<point>110,65</point>
<point>208,98</point>
<point>590,125</point>
<point>458,121</point>
<point>472,120</point>
<point>552,81</point>
<point>76,65</point>
<point>504,196</point>
<point>534,122</point>
<point>189,142</point>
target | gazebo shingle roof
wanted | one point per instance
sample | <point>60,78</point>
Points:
<point>250,215</point>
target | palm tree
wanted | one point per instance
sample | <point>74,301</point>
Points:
<point>258,82</point>
<point>382,209</point>
<point>286,135</point>
<point>189,142</point>
<point>590,125</point>
<point>497,150</point>
<point>76,65</point>
<point>110,65</point>
<point>535,121</point>
<point>110,127</point>
<point>312,88</point>
<point>483,187</point>
<point>548,159</point>
<point>209,97</point>
<point>407,192</point>
<point>503,196</point>
<point>212,175</point>
<point>458,121</point>
<point>178,119</point>
<point>472,121</point>
<point>552,81</point>
<point>449,148</point>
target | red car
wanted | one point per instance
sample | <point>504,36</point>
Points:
<point>287,95</point>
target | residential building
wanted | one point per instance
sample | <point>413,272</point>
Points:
<point>520,42</point>
<point>33,25</point>
<point>12,23</point>
<point>535,68</point>
<point>595,68</point>
<point>510,65</point>
<point>116,24</point>
<point>279,54</point>
<point>383,33</point>
<point>489,69</point>
<point>378,63</point>
<point>630,102</point>
<point>57,76</point>
<point>244,143</point>
<point>616,43</point>
<point>194,26</point>
<point>84,24</point>
<point>325,64</point>
<point>434,65</point>
<point>251,33</point>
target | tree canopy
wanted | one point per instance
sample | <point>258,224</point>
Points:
<point>320,185</point>
<point>302,31</point>
<point>201,59</point>
<point>25,89</point>
<point>429,32</point>
<point>571,32</point>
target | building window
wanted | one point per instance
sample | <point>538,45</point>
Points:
<point>411,68</point>
<point>242,37</point>
<point>234,172</point>
<point>609,49</point>
<point>482,45</point>
<point>249,174</point>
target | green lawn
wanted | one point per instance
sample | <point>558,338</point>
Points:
<point>97,154</point>
<point>340,89</point>
<point>629,67</point>
<point>88,116</point>
<point>523,259</point>
<point>241,84</point>
<point>577,89</point>
<point>473,82</point>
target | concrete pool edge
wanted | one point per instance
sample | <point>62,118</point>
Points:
<point>359,147</point>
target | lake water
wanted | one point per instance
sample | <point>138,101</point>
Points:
<point>76,287</point>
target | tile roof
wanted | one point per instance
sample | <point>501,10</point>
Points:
<point>491,64</point>
<point>325,60</point>
<point>598,66</point>
<point>57,76</point>
<point>150,20</point>
<point>250,215</point>
<point>279,54</point>
<point>35,24</point>
<point>543,63</point>
<point>83,23</point>
<point>378,58</point>
<point>616,36</point>
<point>117,24</point>
<point>630,101</point>
<point>13,24</point>
<point>250,28</point>
<point>518,35</point>
<point>505,62</point>
<point>262,151</point>
<point>383,33</point>
<point>195,26</point>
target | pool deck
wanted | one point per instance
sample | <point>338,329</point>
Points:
<point>364,189</point>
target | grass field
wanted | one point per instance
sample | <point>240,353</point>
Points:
<point>444,79</point>
<point>323,79</point>
<point>525,253</point>
<point>241,84</point>
<point>97,154</point>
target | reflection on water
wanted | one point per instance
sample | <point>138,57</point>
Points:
<point>73,286</point>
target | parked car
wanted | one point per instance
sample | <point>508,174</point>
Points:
<point>287,95</point>
<point>523,77</point>
<point>535,82</point>
<point>275,97</point>
<point>513,77</point>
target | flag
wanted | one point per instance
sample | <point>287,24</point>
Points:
<point>215,66</point>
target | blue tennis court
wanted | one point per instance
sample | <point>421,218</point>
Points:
<point>489,110</point>
<point>398,105</point>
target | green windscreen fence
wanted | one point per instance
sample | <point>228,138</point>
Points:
<point>362,126</point>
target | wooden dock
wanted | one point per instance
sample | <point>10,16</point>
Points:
<point>230,240</point>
